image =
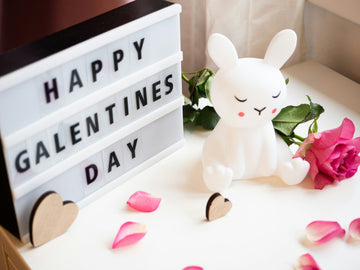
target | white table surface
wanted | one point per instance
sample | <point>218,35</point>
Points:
<point>265,228</point>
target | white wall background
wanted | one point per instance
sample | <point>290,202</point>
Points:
<point>322,35</point>
<point>332,40</point>
<point>193,34</point>
<point>252,24</point>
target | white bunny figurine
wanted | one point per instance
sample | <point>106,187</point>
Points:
<point>248,93</point>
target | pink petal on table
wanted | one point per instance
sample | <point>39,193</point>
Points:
<point>143,201</point>
<point>129,233</point>
<point>193,268</point>
<point>307,262</point>
<point>322,231</point>
<point>354,229</point>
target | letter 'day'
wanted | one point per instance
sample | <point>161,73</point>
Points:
<point>248,93</point>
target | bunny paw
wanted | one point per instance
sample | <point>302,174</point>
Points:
<point>218,177</point>
<point>294,171</point>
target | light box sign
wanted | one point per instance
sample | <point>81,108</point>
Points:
<point>87,107</point>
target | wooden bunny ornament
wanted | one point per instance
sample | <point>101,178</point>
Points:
<point>248,93</point>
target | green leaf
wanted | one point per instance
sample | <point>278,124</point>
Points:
<point>313,128</point>
<point>203,77</point>
<point>315,111</point>
<point>189,114</point>
<point>207,118</point>
<point>199,84</point>
<point>287,80</point>
<point>290,117</point>
<point>208,87</point>
<point>186,100</point>
<point>194,94</point>
<point>204,83</point>
<point>288,139</point>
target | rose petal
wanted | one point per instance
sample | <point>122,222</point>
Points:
<point>324,141</point>
<point>193,268</point>
<point>322,231</point>
<point>307,262</point>
<point>330,137</point>
<point>347,129</point>
<point>354,229</point>
<point>356,143</point>
<point>321,180</point>
<point>305,145</point>
<point>313,171</point>
<point>129,233</point>
<point>143,201</point>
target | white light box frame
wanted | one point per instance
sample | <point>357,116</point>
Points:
<point>87,107</point>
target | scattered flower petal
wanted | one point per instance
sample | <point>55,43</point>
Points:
<point>307,262</point>
<point>129,233</point>
<point>354,229</point>
<point>193,268</point>
<point>322,231</point>
<point>143,201</point>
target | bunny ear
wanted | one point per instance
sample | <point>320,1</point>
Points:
<point>281,48</point>
<point>222,51</point>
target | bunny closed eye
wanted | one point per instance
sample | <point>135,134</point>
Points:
<point>240,100</point>
<point>277,95</point>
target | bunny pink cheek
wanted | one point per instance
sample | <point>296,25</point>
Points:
<point>274,110</point>
<point>241,114</point>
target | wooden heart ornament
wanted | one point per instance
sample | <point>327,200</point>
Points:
<point>50,218</point>
<point>217,207</point>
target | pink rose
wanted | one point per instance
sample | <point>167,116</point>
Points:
<point>332,154</point>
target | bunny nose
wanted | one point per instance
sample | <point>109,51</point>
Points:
<point>259,110</point>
